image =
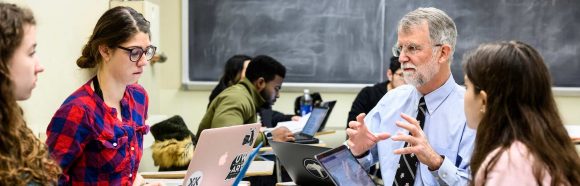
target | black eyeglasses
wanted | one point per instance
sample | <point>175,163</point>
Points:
<point>135,53</point>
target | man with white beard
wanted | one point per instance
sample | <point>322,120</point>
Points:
<point>418,131</point>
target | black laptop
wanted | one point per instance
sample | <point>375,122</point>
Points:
<point>306,136</point>
<point>298,159</point>
<point>330,106</point>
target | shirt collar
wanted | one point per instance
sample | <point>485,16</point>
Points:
<point>436,98</point>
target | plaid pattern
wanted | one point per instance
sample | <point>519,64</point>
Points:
<point>91,145</point>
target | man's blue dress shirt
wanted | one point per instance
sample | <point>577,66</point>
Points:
<point>445,128</point>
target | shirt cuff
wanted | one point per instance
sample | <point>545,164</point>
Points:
<point>364,160</point>
<point>446,173</point>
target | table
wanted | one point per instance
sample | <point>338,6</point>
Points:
<point>257,168</point>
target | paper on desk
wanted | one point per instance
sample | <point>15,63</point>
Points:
<point>294,126</point>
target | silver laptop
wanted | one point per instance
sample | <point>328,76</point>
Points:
<point>220,155</point>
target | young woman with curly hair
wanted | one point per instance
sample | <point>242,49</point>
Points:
<point>24,159</point>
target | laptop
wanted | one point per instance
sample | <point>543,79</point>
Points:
<point>298,159</point>
<point>220,155</point>
<point>306,136</point>
<point>330,106</point>
<point>343,168</point>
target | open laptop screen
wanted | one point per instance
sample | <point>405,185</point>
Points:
<point>313,123</point>
<point>343,168</point>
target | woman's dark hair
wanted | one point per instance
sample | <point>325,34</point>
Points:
<point>23,158</point>
<point>116,26</point>
<point>265,67</point>
<point>232,68</point>
<point>395,64</point>
<point>521,109</point>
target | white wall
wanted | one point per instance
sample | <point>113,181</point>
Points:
<point>61,33</point>
<point>65,25</point>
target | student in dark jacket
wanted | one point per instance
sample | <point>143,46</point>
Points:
<point>369,96</point>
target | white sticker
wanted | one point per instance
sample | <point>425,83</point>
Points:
<point>194,179</point>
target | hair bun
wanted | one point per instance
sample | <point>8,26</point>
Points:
<point>85,62</point>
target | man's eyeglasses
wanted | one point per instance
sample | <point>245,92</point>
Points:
<point>135,53</point>
<point>411,49</point>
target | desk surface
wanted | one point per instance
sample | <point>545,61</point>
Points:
<point>178,182</point>
<point>257,168</point>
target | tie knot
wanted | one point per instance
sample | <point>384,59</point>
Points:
<point>422,105</point>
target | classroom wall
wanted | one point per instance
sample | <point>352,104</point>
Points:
<point>62,33</point>
<point>191,104</point>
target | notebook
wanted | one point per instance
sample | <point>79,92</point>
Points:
<point>220,155</point>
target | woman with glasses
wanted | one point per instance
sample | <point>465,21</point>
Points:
<point>97,134</point>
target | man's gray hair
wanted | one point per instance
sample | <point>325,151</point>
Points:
<point>442,29</point>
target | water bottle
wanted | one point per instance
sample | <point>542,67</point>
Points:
<point>305,103</point>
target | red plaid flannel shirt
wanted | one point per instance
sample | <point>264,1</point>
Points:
<point>91,145</point>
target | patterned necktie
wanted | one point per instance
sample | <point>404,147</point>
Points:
<point>407,168</point>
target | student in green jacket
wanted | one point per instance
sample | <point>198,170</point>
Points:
<point>239,104</point>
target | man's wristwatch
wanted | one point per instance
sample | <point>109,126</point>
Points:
<point>268,135</point>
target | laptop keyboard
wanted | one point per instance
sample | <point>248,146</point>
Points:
<point>301,136</point>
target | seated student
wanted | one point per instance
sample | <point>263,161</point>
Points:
<point>369,96</point>
<point>239,104</point>
<point>97,133</point>
<point>234,71</point>
<point>520,136</point>
<point>24,159</point>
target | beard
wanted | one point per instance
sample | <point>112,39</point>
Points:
<point>422,74</point>
<point>269,101</point>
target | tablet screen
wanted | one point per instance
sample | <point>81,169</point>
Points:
<point>344,168</point>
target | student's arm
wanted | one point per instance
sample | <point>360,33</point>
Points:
<point>67,136</point>
<point>458,172</point>
<point>279,117</point>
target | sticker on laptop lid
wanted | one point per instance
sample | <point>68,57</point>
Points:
<point>236,166</point>
<point>195,179</point>
<point>249,138</point>
<point>314,168</point>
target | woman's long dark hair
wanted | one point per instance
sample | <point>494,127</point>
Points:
<point>232,68</point>
<point>23,158</point>
<point>520,107</point>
